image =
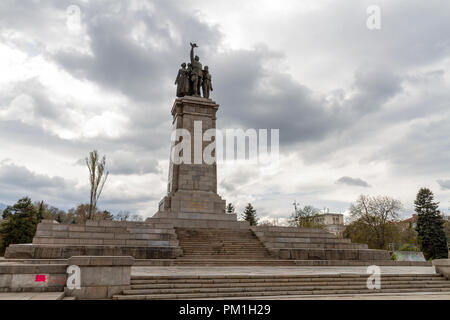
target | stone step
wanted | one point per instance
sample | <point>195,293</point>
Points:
<point>223,252</point>
<point>194,216</point>
<point>222,256</point>
<point>229,245</point>
<point>106,226</point>
<point>296,234</point>
<point>288,229</point>
<point>227,263</point>
<point>124,235</point>
<point>275,262</point>
<point>225,239</point>
<point>215,231</point>
<point>116,242</point>
<point>222,286</point>
<point>282,287</point>
<point>271,293</point>
<point>304,240</point>
<point>130,224</point>
<point>330,254</point>
<point>240,242</point>
<point>317,245</point>
<point>219,244</point>
<point>32,295</point>
<point>172,285</point>
<point>151,283</point>
<point>203,224</point>
<point>247,277</point>
<point>32,261</point>
<point>223,244</point>
<point>230,240</point>
<point>57,251</point>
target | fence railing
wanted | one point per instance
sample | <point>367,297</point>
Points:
<point>403,247</point>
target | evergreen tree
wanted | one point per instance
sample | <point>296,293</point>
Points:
<point>20,224</point>
<point>59,218</point>
<point>41,211</point>
<point>230,208</point>
<point>250,215</point>
<point>430,226</point>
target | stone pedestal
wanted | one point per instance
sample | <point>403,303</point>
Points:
<point>101,277</point>
<point>442,267</point>
<point>142,240</point>
<point>192,186</point>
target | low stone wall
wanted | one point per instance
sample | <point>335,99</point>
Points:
<point>32,278</point>
<point>118,233</point>
<point>332,254</point>
<point>101,277</point>
<point>197,220</point>
<point>35,251</point>
<point>142,240</point>
<point>442,266</point>
<point>313,244</point>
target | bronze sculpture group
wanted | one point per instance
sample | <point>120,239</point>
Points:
<point>191,78</point>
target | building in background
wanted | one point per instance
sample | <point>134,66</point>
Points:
<point>333,222</point>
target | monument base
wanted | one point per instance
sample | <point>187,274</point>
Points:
<point>192,202</point>
<point>142,240</point>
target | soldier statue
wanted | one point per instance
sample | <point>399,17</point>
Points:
<point>197,72</point>
<point>189,80</point>
<point>206,83</point>
<point>182,81</point>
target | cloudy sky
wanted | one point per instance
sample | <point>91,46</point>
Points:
<point>359,111</point>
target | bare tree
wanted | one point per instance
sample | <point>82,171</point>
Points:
<point>305,217</point>
<point>376,215</point>
<point>97,179</point>
<point>127,216</point>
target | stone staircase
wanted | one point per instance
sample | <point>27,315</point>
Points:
<point>211,244</point>
<point>268,246</point>
<point>247,286</point>
<point>313,244</point>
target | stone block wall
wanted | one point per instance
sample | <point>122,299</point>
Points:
<point>141,240</point>
<point>313,244</point>
<point>442,267</point>
<point>101,277</point>
<point>32,278</point>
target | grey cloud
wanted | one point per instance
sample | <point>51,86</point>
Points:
<point>375,85</point>
<point>412,33</point>
<point>423,150</point>
<point>128,163</point>
<point>42,107</point>
<point>18,181</point>
<point>444,184</point>
<point>284,104</point>
<point>352,181</point>
<point>139,70</point>
<point>124,162</point>
<point>235,180</point>
<point>20,176</point>
<point>291,106</point>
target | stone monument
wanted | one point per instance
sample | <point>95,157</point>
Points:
<point>192,186</point>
